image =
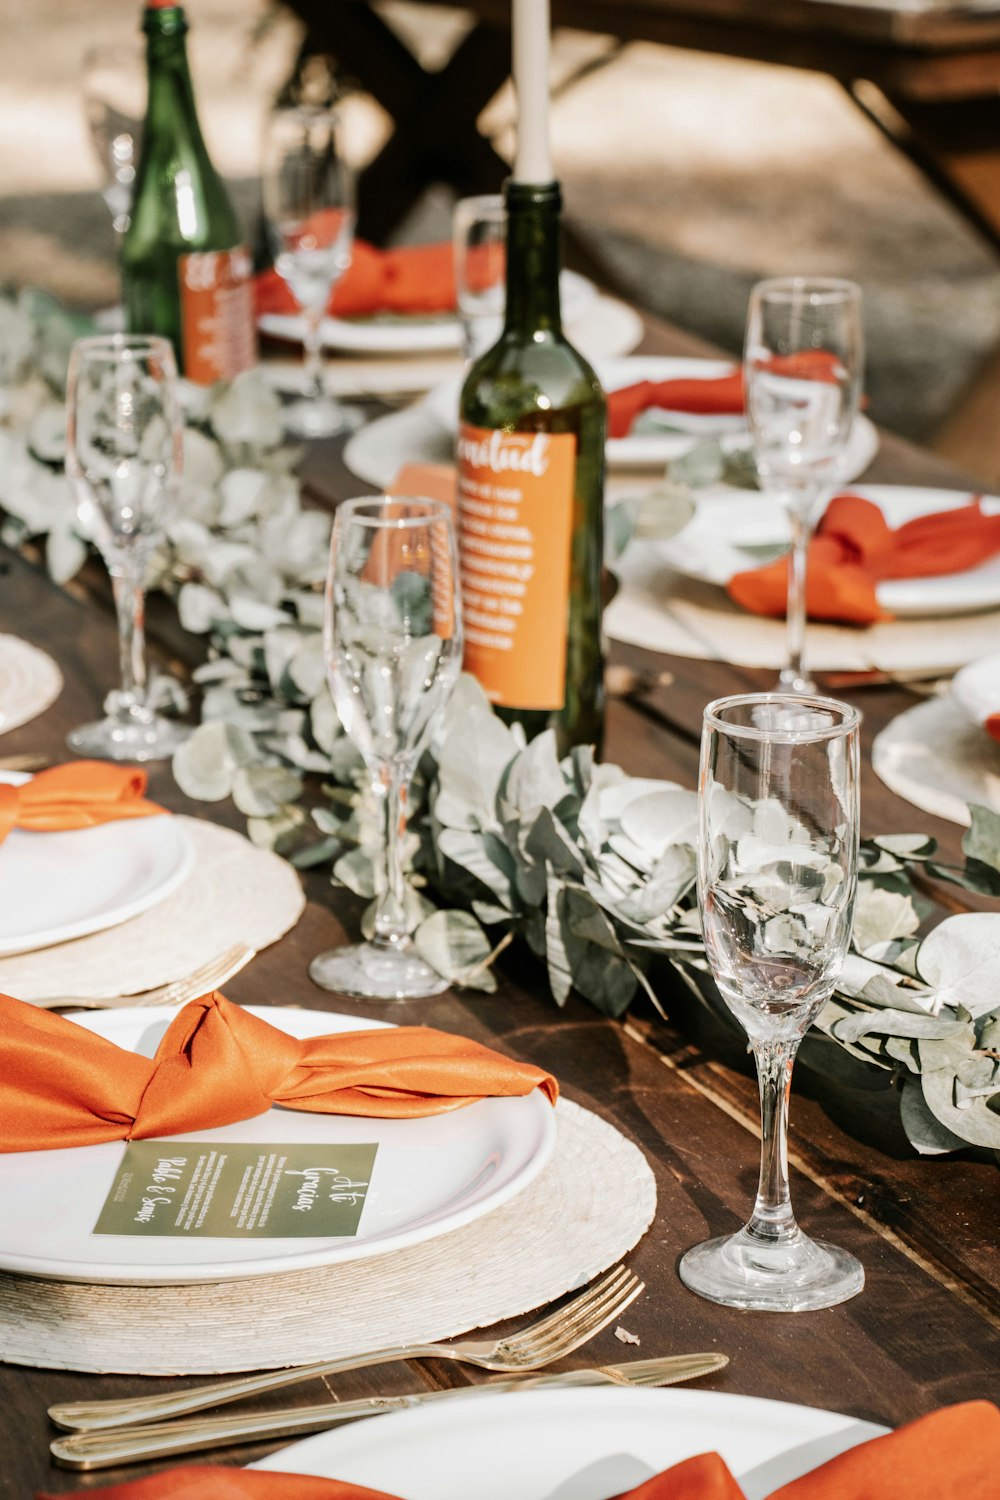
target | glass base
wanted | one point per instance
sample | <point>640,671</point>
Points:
<point>372,972</point>
<point>129,739</point>
<point>791,1275</point>
<point>319,416</point>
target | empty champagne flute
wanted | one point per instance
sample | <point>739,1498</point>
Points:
<point>114,100</point>
<point>393,644</point>
<point>777,875</point>
<point>123,460</point>
<point>802,366</point>
<point>309,213</point>
<point>479,247</point>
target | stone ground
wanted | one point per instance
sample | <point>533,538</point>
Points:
<point>691,176</point>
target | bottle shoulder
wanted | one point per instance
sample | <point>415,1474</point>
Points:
<point>526,376</point>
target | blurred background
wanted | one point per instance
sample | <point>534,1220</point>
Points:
<point>689,176</point>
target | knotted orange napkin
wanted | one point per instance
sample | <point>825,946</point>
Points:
<point>855,548</point>
<point>953,1454</point>
<point>81,794</point>
<point>60,1085</point>
<point>412,279</point>
<point>720,395</point>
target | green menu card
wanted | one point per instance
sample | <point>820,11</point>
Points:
<point>238,1191</point>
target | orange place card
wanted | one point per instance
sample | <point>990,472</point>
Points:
<point>217,314</point>
<point>515,521</point>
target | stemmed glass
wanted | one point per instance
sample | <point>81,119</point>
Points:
<point>802,366</point>
<point>114,98</point>
<point>308,195</point>
<point>479,246</point>
<point>777,875</point>
<point>393,644</point>
<point>123,460</point>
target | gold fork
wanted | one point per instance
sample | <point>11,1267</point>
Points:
<point>178,992</point>
<point>538,1344</point>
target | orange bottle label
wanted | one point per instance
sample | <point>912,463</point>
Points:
<point>515,524</point>
<point>217,316</point>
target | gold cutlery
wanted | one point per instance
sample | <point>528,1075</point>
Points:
<point>99,1450</point>
<point>539,1343</point>
<point>178,992</point>
<point>23,762</point>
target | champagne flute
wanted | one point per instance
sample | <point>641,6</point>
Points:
<point>479,246</point>
<point>123,460</point>
<point>114,99</point>
<point>802,368</point>
<point>309,213</point>
<point>393,644</point>
<point>777,875</point>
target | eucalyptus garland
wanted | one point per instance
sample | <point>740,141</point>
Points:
<point>592,868</point>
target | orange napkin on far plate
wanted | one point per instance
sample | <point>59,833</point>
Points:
<point>81,794</point>
<point>952,1454</point>
<point>855,549</point>
<point>61,1085</point>
<point>722,395</point>
<point>412,279</point>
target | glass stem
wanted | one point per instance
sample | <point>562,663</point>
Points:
<point>313,348</point>
<point>772,1218</point>
<point>390,914</point>
<point>794,676</point>
<point>127,586</point>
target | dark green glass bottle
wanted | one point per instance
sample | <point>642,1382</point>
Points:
<point>531,497</point>
<point>187,274</point>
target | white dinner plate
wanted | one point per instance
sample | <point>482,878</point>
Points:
<point>56,886</point>
<point>659,437</point>
<point>431,1175</point>
<point>977,688</point>
<point>410,335</point>
<point>739,529</point>
<point>571,1444</point>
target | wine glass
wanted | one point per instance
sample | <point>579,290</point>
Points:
<point>479,245</point>
<point>802,368</point>
<point>114,98</point>
<point>777,875</point>
<point>123,460</point>
<point>393,644</point>
<point>308,195</point>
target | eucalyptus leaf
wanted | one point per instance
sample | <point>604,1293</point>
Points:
<point>454,944</point>
<point>982,841</point>
<point>260,791</point>
<point>961,959</point>
<point>205,765</point>
<point>925,1132</point>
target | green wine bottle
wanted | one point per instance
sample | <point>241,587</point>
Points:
<point>187,274</point>
<point>532,425</point>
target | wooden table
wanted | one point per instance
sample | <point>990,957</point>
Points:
<point>925,1331</point>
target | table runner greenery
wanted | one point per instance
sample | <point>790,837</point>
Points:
<point>592,868</point>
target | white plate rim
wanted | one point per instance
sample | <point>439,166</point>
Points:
<point>654,450</point>
<point>167,826</point>
<point>907,598</point>
<point>315,1253</point>
<point>976,687</point>
<point>360,1453</point>
<point>414,335</point>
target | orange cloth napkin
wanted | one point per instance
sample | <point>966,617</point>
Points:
<point>952,1454</point>
<point>855,548</point>
<point>81,794</point>
<point>411,279</point>
<point>720,395</point>
<point>60,1085</point>
<point>992,726</point>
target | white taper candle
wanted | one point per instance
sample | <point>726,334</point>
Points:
<point>533,158</point>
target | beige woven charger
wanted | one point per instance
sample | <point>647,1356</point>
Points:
<point>30,682</point>
<point>590,1205</point>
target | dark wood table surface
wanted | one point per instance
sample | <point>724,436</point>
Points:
<point>926,1329</point>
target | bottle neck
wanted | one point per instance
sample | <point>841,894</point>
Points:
<point>171,95</point>
<point>533,255</point>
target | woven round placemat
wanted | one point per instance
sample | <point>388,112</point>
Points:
<point>236,893</point>
<point>589,1206</point>
<point>29,682</point>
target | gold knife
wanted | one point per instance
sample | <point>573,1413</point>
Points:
<point>101,1450</point>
